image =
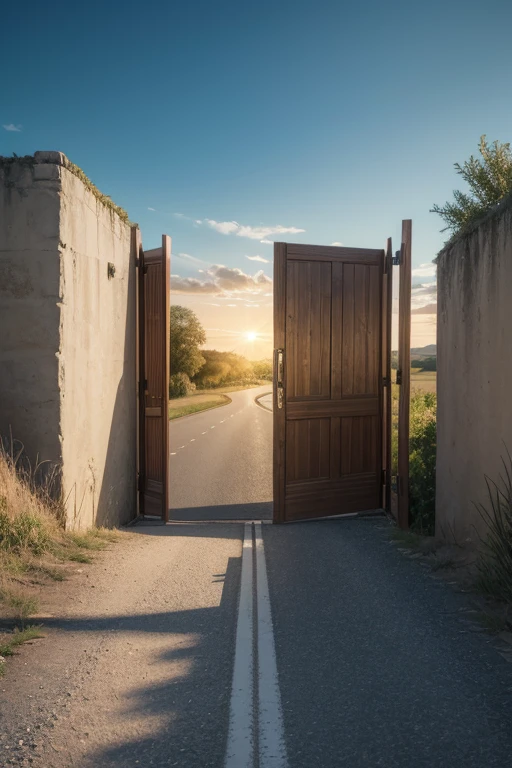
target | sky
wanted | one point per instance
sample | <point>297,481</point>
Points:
<point>231,125</point>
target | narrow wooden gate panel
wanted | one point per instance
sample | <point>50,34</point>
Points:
<point>328,390</point>
<point>154,312</point>
<point>387,415</point>
<point>404,373</point>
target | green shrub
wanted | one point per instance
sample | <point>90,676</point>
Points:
<point>23,532</point>
<point>495,563</point>
<point>422,462</point>
<point>180,385</point>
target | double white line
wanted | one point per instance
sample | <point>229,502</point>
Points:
<point>255,698</point>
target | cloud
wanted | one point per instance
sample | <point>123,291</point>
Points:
<point>151,209</point>
<point>222,281</point>
<point>253,233</point>
<point>425,270</point>
<point>192,285</point>
<point>225,227</point>
<point>422,295</point>
<point>428,309</point>
<point>267,242</point>
<point>339,245</point>
<point>258,258</point>
<point>192,259</point>
<point>12,127</point>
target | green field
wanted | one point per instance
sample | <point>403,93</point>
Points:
<point>202,401</point>
<point>424,380</point>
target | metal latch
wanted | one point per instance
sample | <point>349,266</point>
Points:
<point>280,376</point>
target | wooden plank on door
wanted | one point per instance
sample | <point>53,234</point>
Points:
<point>404,373</point>
<point>154,354</point>
<point>279,381</point>
<point>387,318</point>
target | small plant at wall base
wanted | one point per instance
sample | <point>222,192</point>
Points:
<point>495,564</point>
<point>489,180</point>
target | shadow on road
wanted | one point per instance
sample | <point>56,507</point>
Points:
<point>252,511</point>
<point>180,716</point>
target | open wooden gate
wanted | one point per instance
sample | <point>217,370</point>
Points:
<point>332,335</point>
<point>154,276</point>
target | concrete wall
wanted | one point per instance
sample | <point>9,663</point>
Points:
<point>70,375</point>
<point>29,308</point>
<point>474,374</point>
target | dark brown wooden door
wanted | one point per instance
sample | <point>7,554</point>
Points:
<point>328,382</point>
<point>154,320</point>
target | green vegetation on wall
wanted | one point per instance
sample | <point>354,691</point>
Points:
<point>489,180</point>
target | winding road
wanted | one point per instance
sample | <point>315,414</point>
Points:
<point>221,461</point>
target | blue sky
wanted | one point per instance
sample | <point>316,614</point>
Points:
<point>333,118</point>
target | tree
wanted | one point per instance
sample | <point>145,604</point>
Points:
<point>222,368</point>
<point>489,180</point>
<point>187,334</point>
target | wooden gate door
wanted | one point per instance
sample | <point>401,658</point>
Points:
<point>154,321</point>
<point>329,341</point>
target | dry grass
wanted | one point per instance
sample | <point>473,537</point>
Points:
<point>35,550</point>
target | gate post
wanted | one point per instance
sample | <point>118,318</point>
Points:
<point>404,374</point>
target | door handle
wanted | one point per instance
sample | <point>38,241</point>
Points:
<point>279,353</point>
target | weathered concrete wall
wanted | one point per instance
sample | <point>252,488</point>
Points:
<point>70,377</point>
<point>96,358</point>
<point>29,308</point>
<point>474,374</point>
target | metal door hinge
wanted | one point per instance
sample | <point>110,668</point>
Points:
<point>385,381</point>
<point>397,258</point>
<point>384,477</point>
<point>399,376</point>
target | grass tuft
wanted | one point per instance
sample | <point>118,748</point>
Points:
<point>17,638</point>
<point>495,564</point>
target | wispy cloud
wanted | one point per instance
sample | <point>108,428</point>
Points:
<point>268,242</point>
<point>425,270</point>
<point>261,233</point>
<point>12,127</point>
<point>338,245</point>
<point>423,295</point>
<point>192,260</point>
<point>151,209</point>
<point>258,258</point>
<point>222,281</point>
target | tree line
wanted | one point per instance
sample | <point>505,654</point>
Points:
<point>193,367</point>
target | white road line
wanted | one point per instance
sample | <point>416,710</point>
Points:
<point>181,446</point>
<point>272,745</point>
<point>203,433</point>
<point>173,453</point>
<point>212,427</point>
<point>240,747</point>
<point>193,440</point>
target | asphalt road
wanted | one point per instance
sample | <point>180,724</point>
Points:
<point>323,644</point>
<point>221,462</point>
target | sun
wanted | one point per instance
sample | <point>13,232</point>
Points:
<point>251,336</point>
